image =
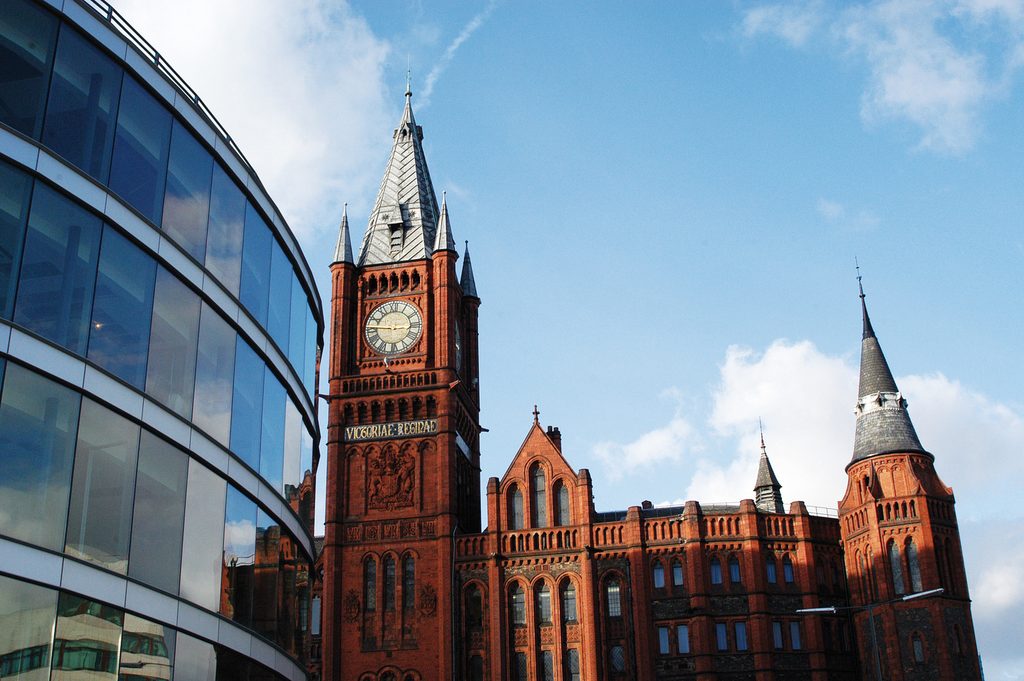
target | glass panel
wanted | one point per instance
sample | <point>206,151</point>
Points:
<point>214,371</point>
<point>294,599</point>
<point>247,404</point>
<point>255,285</point>
<point>794,635</point>
<point>547,666</point>
<point>572,664</point>
<point>279,315</point>
<point>38,424</point>
<point>103,488</point>
<point>315,614</point>
<point>159,518</point>
<point>138,170</point>
<point>476,668</point>
<point>370,584</point>
<point>293,428</point>
<point>663,646</point>
<point>171,372</point>
<point>194,660</point>
<point>187,201</point>
<point>203,540</point>
<point>309,364</point>
<point>716,571</point>
<point>787,570</point>
<point>521,669</point>
<point>683,638</point>
<point>389,583</point>
<point>777,635</point>
<point>720,636</point>
<point>677,573</point>
<point>770,570</point>
<point>409,583</point>
<point>27,38</point>
<point>123,311</point>
<point>80,114</point>
<point>297,311</point>
<point>569,603</point>
<point>58,271</point>
<point>239,557</point>
<point>27,614</point>
<point>563,505</point>
<point>265,597</point>
<point>518,606</point>
<point>544,604</point>
<point>147,650</point>
<point>14,193</point>
<point>741,635</point>
<point>226,227</point>
<point>272,437</point>
<point>734,570</point>
<point>86,640</point>
<point>474,608</point>
<point>515,519</point>
<point>614,601</point>
<point>896,563</point>
<point>915,567</point>
<point>659,576</point>
<point>539,499</point>
<point>618,659</point>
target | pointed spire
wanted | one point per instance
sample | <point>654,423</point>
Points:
<point>467,282</point>
<point>403,221</point>
<point>883,424</point>
<point>343,251</point>
<point>444,241</point>
<point>767,490</point>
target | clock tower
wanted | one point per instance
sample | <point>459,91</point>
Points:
<point>403,452</point>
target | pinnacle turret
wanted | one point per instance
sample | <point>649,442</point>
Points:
<point>343,251</point>
<point>444,241</point>
<point>767,490</point>
<point>467,282</point>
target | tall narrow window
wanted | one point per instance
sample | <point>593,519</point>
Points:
<point>794,635</point>
<point>520,671</point>
<point>517,604</point>
<point>476,668</point>
<point>716,570</point>
<point>547,666</point>
<point>568,602</point>
<point>663,647</point>
<point>914,566</point>
<point>618,655</point>
<point>777,635</point>
<point>770,570</point>
<point>721,636</point>
<point>515,509</point>
<point>408,583</point>
<point>539,496</point>
<point>896,565</point>
<point>389,583</point>
<point>683,638</point>
<point>659,575</point>
<point>474,608</point>
<point>614,599</point>
<point>572,665</point>
<point>734,570</point>
<point>677,573</point>
<point>562,501</point>
<point>543,604</point>
<point>918,646</point>
<point>740,630</point>
<point>370,585</point>
<point>787,569</point>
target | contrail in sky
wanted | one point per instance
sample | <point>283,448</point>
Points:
<point>449,53</point>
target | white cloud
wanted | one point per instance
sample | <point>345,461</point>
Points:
<point>794,23</point>
<point>298,85</point>
<point>671,442</point>
<point>837,214</point>
<point>449,53</point>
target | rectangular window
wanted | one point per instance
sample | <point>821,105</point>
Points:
<point>58,271</point>
<point>569,603</point>
<point>247,404</point>
<point>297,311</point>
<point>663,646</point>
<point>82,107</point>
<point>28,35</point>
<point>254,290</point>
<point>683,638</point>
<point>315,616</point>
<point>29,613</point>
<point>155,556</point>
<point>677,574</point>
<point>614,600</point>
<point>787,570</point>
<point>171,371</point>
<point>38,429</point>
<point>618,655</point>
<point>239,557</point>
<point>268,589</point>
<point>572,665</point>
<point>771,571</point>
<point>777,635</point>
<point>147,646</point>
<point>15,187</point>
<point>187,200</point>
<point>547,666</point>
<point>122,312</point>
<point>520,670</point>
<point>293,429</point>
<point>794,635</point>
<point>721,636</point>
<point>280,303</point>
<point>85,639</point>
<point>740,630</point>
<point>544,605</point>
<point>203,537</point>
<point>102,488</point>
<point>225,230</point>
<point>215,370</point>
<point>272,430</point>
<point>659,576</point>
<point>309,364</point>
<point>138,171</point>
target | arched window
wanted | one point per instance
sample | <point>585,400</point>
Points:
<point>678,576</point>
<point>474,607</point>
<point>370,584</point>
<point>658,574</point>
<point>770,570</point>
<point>734,570</point>
<point>716,570</point>
<point>408,583</point>
<point>517,604</point>
<point>562,515</point>
<point>787,569</point>
<point>896,565</point>
<point>568,602</point>
<point>538,496</point>
<point>389,583</point>
<point>515,509</point>
<point>542,597</point>
<point>913,566</point>
<point>614,599</point>
<point>387,676</point>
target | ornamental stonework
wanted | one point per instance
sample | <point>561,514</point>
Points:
<point>390,479</point>
<point>428,600</point>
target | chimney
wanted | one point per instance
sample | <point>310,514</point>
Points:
<point>556,436</point>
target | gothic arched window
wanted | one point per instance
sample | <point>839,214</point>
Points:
<point>678,577</point>
<point>408,583</point>
<point>389,583</point>
<point>538,496</point>
<point>562,515</point>
<point>515,508</point>
<point>370,584</point>
<point>770,570</point>
<point>734,570</point>
<point>914,566</point>
<point>474,607</point>
<point>543,603</point>
<point>787,569</point>
<point>658,575</point>
<point>568,602</point>
<point>614,598</point>
<point>517,604</point>
<point>716,570</point>
<point>896,565</point>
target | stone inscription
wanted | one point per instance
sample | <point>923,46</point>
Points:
<point>390,431</point>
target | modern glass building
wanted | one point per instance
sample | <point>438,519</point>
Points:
<point>159,337</point>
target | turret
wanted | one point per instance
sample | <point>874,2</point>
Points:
<point>767,490</point>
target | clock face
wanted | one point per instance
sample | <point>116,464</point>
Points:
<point>393,327</point>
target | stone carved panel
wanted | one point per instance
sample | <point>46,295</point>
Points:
<point>390,479</point>
<point>572,633</point>
<point>671,608</point>
<point>350,606</point>
<point>547,634</point>
<point>354,533</point>
<point>428,600</point>
<point>729,605</point>
<point>519,637</point>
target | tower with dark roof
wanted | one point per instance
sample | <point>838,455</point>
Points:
<point>767,489</point>
<point>900,537</point>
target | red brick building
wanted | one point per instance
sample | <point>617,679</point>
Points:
<point>552,588</point>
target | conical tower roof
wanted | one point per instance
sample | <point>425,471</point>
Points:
<point>403,222</point>
<point>343,251</point>
<point>444,241</point>
<point>767,490</point>
<point>466,281</point>
<point>883,424</point>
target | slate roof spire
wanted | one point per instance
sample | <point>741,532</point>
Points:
<point>445,241</point>
<point>343,251</point>
<point>467,282</point>
<point>403,222</point>
<point>767,490</point>
<point>883,424</point>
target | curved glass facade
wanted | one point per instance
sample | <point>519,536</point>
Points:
<point>159,338</point>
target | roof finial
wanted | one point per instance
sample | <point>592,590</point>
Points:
<point>408,76</point>
<point>859,284</point>
<point>764,451</point>
<point>536,414</point>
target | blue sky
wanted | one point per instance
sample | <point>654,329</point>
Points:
<point>664,204</point>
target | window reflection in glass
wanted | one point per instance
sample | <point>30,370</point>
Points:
<point>203,540</point>
<point>194,660</point>
<point>27,38</point>
<point>239,557</point>
<point>58,271</point>
<point>14,192</point>
<point>247,404</point>
<point>138,170</point>
<point>155,556</point>
<point>293,471</point>
<point>272,438</point>
<point>27,614</point>
<point>278,313</point>
<point>38,427</point>
<point>80,113</point>
<point>86,640</point>
<point>187,201</point>
<point>171,371</point>
<point>297,333</point>
<point>254,290</point>
<point>122,312</point>
<point>214,375</point>
<point>226,227</point>
<point>102,489</point>
<point>147,650</point>
<point>266,592</point>
<point>309,363</point>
